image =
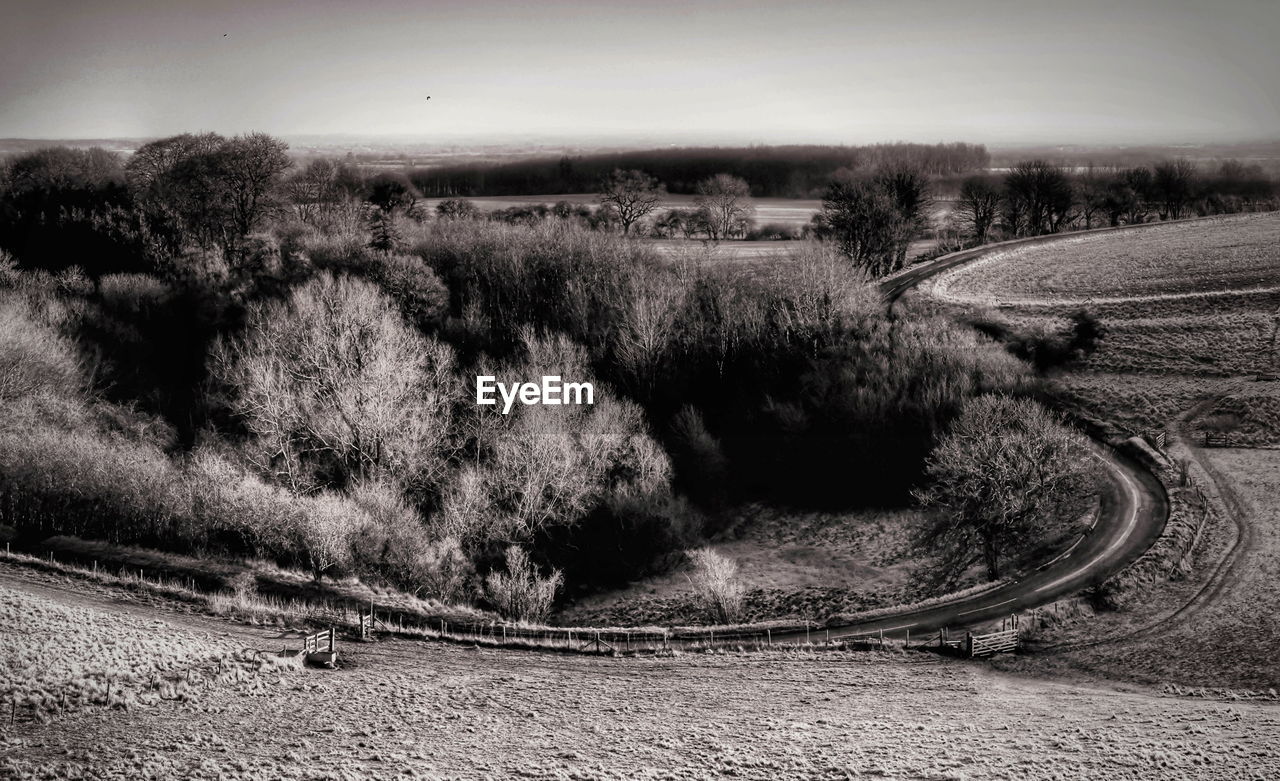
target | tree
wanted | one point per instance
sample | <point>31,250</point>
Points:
<point>336,389</point>
<point>61,207</point>
<point>320,189</point>
<point>206,188</point>
<point>632,194</point>
<point>394,193</point>
<point>520,593</point>
<point>1003,472</point>
<point>251,166</point>
<point>866,224</point>
<point>1092,195</point>
<point>908,191</point>
<point>457,209</point>
<point>1039,197</point>
<point>1172,183</point>
<point>979,206</point>
<point>716,584</point>
<point>724,203</point>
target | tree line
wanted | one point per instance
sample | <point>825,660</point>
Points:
<point>769,171</point>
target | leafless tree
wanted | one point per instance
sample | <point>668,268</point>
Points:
<point>336,388</point>
<point>724,204</point>
<point>1173,185</point>
<point>1004,470</point>
<point>1041,197</point>
<point>716,584</point>
<point>632,194</point>
<point>521,593</point>
<point>978,206</point>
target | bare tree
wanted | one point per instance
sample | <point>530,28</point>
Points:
<point>1001,474</point>
<point>908,190</point>
<point>716,584</point>
<point>1041,196</point>
<point>865,223</point>
<point>521,593</point>
<point>251,166</point>
<point>336,388</point>
<point>979,206</point>
<point>1173,184</point>
<point>724,203</point>
<point>632,194</point>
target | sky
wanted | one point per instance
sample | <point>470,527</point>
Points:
<point>709,71</point>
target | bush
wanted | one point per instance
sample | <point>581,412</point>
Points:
<point>774,231</point>
<point>716,584</point>
<point>521,594</point>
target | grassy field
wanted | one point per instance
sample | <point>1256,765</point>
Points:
<point>1171,351</point>
<point>804,565</point>
<point>57,659</point>
<point>794,564</point>
<point>792,212</point>
<point>1167,346</point>
<point>1223,254</point>
<point>425,710</point>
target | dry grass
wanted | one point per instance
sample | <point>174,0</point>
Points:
<point>415,710</point>
<point>58,659</point>
<point>1227,253</point>
<point>1167,349</point>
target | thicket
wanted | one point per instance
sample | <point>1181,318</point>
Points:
<point>291,377</point>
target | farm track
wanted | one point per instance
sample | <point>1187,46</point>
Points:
<point>1226,572</point>
<point>1131,517</point>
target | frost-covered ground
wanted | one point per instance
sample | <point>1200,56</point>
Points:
<point>404,709</point>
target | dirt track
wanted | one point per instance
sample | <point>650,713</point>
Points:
<point>426,710</point>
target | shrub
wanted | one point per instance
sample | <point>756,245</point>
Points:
<point>520,593</point>
<point>716,584</point>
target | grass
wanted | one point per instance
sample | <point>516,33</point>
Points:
<point>1188,258</point>
<point>1168,348</point>
<point>59,659</point>
<point>426,710</point>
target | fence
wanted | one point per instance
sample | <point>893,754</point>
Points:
<point>352,616</point>
<point>976,645</point>
<point>320,641</point>
<point>992,643</point>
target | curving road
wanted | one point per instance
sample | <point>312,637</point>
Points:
<point>1131,516</point>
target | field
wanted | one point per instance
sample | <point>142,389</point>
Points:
<point>59,659</point>
<point>794,213</point>
<point>426,710</point>
<point>1199,259</point>
<point>1186,318</point>
<point>1190,312</point>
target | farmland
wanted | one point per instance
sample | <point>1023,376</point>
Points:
<point>428,710</point>
<point>1199,259</point>
<point>59,659</point>
<point>1190,316</point>
<point>1190,311</point>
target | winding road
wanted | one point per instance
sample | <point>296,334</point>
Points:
<point>1131,515</point>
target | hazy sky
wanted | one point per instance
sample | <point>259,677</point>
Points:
<point>995,71</point>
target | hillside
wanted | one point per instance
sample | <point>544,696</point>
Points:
<point>426,710</point>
